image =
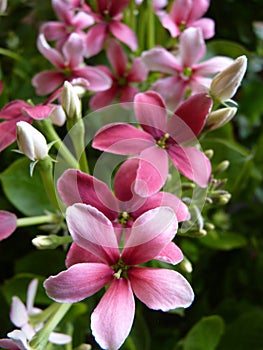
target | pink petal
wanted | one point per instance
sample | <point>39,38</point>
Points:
<point>171,254</point>
<point>6,343</point>
<point>53,30</point>
<point>213,65</point>
<point>192,163</point>
<point>75,186</point>
<point>62,11</point>
<point>13,109</point>
<point>8,223</point>
<point>47,81</point>
<point>124,179</point>
<point>19,340</point>
<point>168,23</point>
<point>78,255</point>
<point>122,32</point>
<point>7,137</point>
<point>161,60</point>
<point>199,8</point>
<point>180,10</point>
<point>152,171</point>
<point>116,57</point>
<point>120,138</point>
<point>116,7</point>
<point>73,50</point>
<point>31,294</point>
<point>151,113</point>
<point>127,93</point>
<point>160,289</point>
<point>150,233</point>
<point>93,231</point>
<point>82,20</point>
<point>112,319</point>
<point>95,39</point>
<point>98,80</point>
<point>138,72</point>
<point>189,119</point>
<point>104,98</point>
<point>78,282</point>
<point>18,312</point>
<point>51,54</point>
<point>38,112</point>
<point>192,46</point>
<point>207,26</point>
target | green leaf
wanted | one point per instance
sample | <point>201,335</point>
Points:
<point>26,193</point>
<point>205,335</point>
<point>227,48</point>
<point>223,240</point>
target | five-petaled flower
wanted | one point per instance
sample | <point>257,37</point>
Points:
<point>159,138</point>
<point>100,263</point>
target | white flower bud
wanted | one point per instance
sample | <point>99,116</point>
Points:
<point>58,116</point>
<point>3,6</point>
<point>70,101</point>
<point>225,84</point>
<point>219,118</point>
<point>30,141</point>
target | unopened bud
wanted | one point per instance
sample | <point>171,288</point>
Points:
<point>70,102</point>
<point>222,167</point>
<point>219,118</point>
<point>3,6</point>
<point>209,226</point>
<point>201,233</point>
<point>186,265</point>
<point>58,116</point>
<point>225,198</point>
<point>30,141</point>
<point>209,153</point>
<point>225,84</point>
<point>84,347</point>
<point>50,241</point>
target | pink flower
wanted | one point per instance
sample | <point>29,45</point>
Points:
<point>122,77</point>
<point>70,66</point>
<point>108,17</point>
<point>8,224</point>
<point>102,264</point>
<point>16,111</point>
<point>185,73</point>
<point>160,138</point>
<point>188,13</point>
<point>20,316</point>
<point>70,20</point>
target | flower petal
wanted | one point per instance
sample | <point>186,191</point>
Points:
<point>59,338</point>
<point>151,113</point>
<point>103,98</point>
<point>8,223</point>
<point>18,312</point>
<point>198,9</point>
<point>160,289</point>
<point>150,233</point>
<point>73,50</point>
<point>47,81</point>
<point>112,319</point>
<point>121,138</point>
<point>161,60</point>
<point>98,80</point>
<point>78,255</point>
<point>31,294</point>
<point>138,72</point>
<point>93,231</point>
<point>123,33</point>
<point>207,26</point>
<point>95,39</point>
<point>74,186</point>
<point>116,57</point>
<point>19,339</point>
<point>171,254</point>
<point>78,282</point>
<point>53,55</point>
<point>39,112</point>
<point>192,163</point>
<point>192,46</point>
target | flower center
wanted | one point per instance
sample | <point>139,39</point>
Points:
<point>162,141</point>
<point>67,72</point>
<point>187,72</point>
<point>123,218</point>
<point>182,26</point>
<point>120,270</point>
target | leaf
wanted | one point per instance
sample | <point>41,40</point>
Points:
<point>26,193</point>
<point>227,48</point>
<point>204,335</point>
<point>223,240</point>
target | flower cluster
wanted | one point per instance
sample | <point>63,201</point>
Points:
<point>123,238</point>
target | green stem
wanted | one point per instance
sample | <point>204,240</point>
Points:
<point>150,28</point>
<point>49,131</point>
<point>36,220</point>
<point>40,340</point>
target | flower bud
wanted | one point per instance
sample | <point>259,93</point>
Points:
<point>225,84</point>
<point>46,242</point>
<point>30,141</point>
<point>70,101</point>
<point>219,118</point>
<point>221,167</point>
<point>3,6</point>
<point>58,116</point>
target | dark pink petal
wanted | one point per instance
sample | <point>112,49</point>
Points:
<point>150,233</point>
<point>161,289</point>
<point>171,254</point>
<point>213,65</point>
<point>181,10</point>
<point>124,179</point>
<point>78,282</point>
<point>120,138</point>
<point>78,255</point>
<point>192,163</point>
<point>127,93</point>
<point>117,7</point>
<point>112,319</point>
<point>192,46</point>
<point>95,39</point>
<point>152,171</point>
<point>151,113</point>
<point>73,50</point>
<point>8,223</point>
<point>138,72</point>
<point>199,8</point>
<point>192,115</point>
<point>207,26</point>
<point>93,231</point>
<point>13,109</point>
<point>6,343</point>
<point>47,81</point>
<point>116,57</point>
<point>38,112</point>
<point>7,134</point>
<point>104,98</point>
<point>18,339</point>
<point>122,32</point>
<point>53,55</point>
<point>98,80</point>
<point>75,186</point>
<point>160,60</point>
